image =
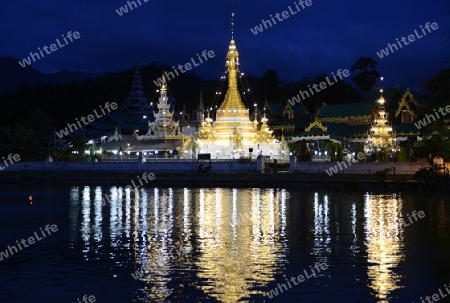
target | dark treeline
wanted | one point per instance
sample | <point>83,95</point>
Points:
<point>40,111</point>
<point>30,116</point>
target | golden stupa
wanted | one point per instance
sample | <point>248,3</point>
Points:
<point>233,133</point>
<point>381,134</point>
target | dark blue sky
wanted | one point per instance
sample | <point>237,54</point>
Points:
<point>325,37</point>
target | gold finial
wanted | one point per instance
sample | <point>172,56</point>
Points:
<point>232,20</point>
<point>163,87</point>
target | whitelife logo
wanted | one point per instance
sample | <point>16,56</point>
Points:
<point>341,165</point>
<point>187,66</point>
<point>85,299</point>
<point>435,297</point>
<point>53,48</point>
<point>12,159</point>
<point>301,278</point>
<point>435,116</point>
<point>284,15</point>
<point>90,118</point>
<point>31,240</point>
<point>145,176</point>
<point>124,9</point>
<point>411,38</point>
<point>323,85</point>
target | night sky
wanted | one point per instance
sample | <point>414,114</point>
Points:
<point>322,38</point>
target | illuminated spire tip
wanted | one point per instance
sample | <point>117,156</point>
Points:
<point>232,20</point>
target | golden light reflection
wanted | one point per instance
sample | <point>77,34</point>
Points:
<point>116,220</point>
<point>322,235</point>
<point>384,240</point>
<point>98,219</point>
<point>153,255</point>
<point>86,217</point>
<point>74,215</point>
<point>441,214</point>
<point>239,235</point>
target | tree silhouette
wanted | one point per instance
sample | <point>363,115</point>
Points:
<point>270,83</point>
<point>79,145</point>
<point>436,141</point>
<point>368,74</point>
<point>438,89</point>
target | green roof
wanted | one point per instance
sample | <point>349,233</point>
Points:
<point>345,130</point>
<point>347,110</point>
<point>338,130</point>
<point>296,122</point>
<point>276,108</point>
<point>406,128</point>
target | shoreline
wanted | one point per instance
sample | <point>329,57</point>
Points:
<point>194,179</point>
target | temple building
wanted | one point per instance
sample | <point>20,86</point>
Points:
<point>233,134</point>
<point>163,127</point>
<point>386,121</point>
<point>381,134</point>
<point>136,103</point>
<point>163,135</point>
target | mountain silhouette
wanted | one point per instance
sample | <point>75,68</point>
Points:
<point>14,75</point>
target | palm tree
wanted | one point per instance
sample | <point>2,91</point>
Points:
<point>368,74</point>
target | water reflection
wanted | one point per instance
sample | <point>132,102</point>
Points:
<point>322,235</point>
<point>230,244</point>
<point>384,240</point>
<point>239,235</point>
<point>241,255</point>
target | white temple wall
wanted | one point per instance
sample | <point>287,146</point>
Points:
<point>226,151</point>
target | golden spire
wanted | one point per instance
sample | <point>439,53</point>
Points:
<point>163,87</point>
<point>233,99</point>
<point>232,105</point>
<point>381,100</point>
<point>232,20</point>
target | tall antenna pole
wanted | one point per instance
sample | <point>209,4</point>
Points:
<point>232,19</point>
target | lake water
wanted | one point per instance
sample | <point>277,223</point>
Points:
<point>223,245</point>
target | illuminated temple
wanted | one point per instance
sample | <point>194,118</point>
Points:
<point>163,127</point>
<point>381,133</point>
<point>232,134</point>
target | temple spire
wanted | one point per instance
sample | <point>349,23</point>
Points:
<point>136,101</point>
<point>232,20</point>
<point>233,133</point>
<point>233,99</point>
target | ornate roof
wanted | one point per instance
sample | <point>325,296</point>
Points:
<point>347,111</point>
<point>408,104</point>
